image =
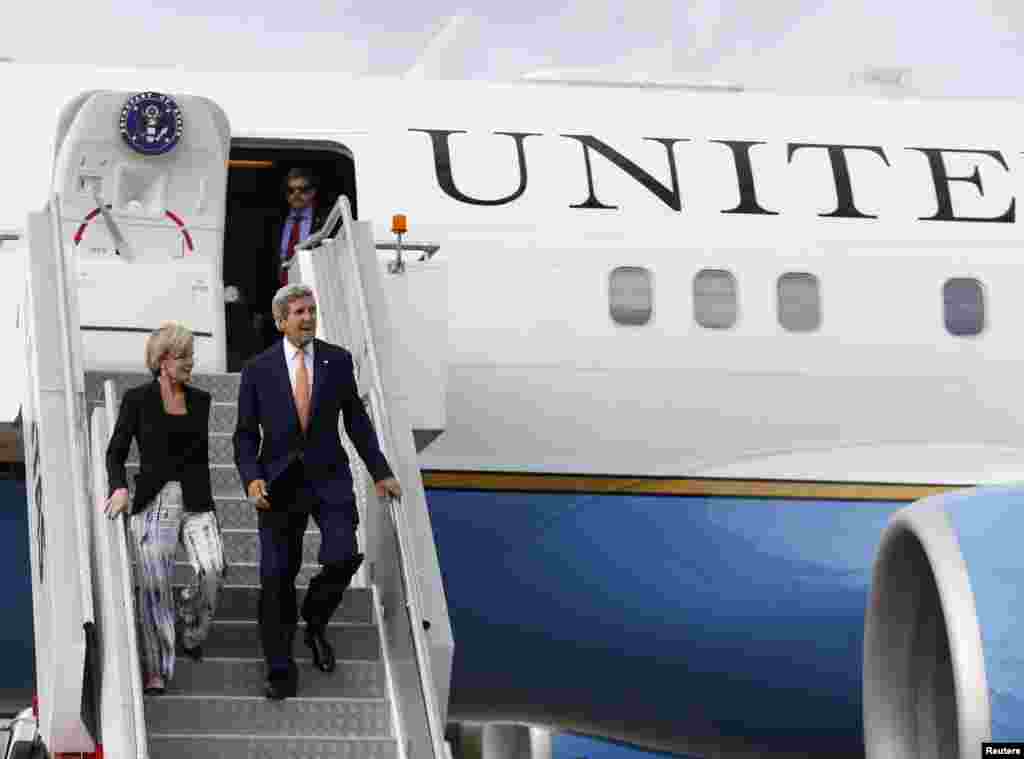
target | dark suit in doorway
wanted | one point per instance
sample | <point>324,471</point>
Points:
<point>282,235</point>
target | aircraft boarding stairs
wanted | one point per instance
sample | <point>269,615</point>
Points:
<point>388,696</point>
<point>221,696</point>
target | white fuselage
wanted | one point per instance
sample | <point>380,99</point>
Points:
<point>542,379</point>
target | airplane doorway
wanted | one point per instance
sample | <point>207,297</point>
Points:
<point>256,209</point>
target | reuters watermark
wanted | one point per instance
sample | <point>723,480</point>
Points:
<point>1002,749</point>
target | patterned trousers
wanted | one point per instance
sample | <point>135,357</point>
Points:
<point>156,532</point>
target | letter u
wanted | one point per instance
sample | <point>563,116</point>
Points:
<point>443,165</point>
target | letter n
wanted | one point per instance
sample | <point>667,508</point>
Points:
<point>668,197</point>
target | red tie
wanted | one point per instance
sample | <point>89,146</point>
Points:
<point>289,253</point>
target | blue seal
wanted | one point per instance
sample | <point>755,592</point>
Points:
<point>151,123</point>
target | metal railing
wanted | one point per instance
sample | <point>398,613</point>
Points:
<point>118,634</point>
<point>382,424</point>
<point>128,616</point>
<point>428,249</point>
<point>74,404</point>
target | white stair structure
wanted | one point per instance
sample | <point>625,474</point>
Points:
<point>389,696</point>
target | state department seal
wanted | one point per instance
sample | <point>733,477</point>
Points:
<point>151,123</point>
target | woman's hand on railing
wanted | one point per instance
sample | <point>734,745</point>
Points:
<point>389,486</point>
<point>117,503</point>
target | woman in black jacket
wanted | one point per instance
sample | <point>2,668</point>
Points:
<point>170,420</point>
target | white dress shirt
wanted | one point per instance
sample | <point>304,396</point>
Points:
<point>291,354</point>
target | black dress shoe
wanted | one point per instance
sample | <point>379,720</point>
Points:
<point>323,652</point>
<point>275,690</point>
<point>282,685</point>
<point>195,654</point>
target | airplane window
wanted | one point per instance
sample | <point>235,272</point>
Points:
<point>630,295</point>
<point>964,306</point>
<point>714,299</point>
<point>799,302</point>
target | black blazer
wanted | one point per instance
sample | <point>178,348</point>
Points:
<point>142,416</point>
<point>265,400</point>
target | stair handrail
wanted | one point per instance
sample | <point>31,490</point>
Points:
<point>124,566</point>
<point>77,430</point>
<point>382,423</point>
<point>128,736</point>
<point>321,234</point>
<point>56,406</point>
<point>73,407</point>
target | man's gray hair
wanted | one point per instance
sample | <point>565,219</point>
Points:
<point>282,303</point>
<point>172,339</point>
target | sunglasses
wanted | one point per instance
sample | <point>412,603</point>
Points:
<point>303,189</point>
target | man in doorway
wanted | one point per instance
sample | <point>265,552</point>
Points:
<point>292,465</point>
<point>303,217</point>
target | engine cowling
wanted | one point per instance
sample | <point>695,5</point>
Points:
<point>943,653</point>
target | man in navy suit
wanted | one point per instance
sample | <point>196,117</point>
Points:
<point>289,456</point>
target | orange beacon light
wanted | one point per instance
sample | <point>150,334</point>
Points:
<point>399,227</point>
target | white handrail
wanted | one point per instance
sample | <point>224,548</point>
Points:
<point>405,556</point>
<point>117,715</point>
<point>128,617</point>
<point>69,330</point>
<point>321,234</point>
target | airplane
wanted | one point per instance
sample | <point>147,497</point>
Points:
<point>704,346</point>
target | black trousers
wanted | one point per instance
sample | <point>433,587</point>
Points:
<point>281,532</point>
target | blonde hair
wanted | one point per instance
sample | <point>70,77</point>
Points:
<point>173,338</point>
<point>282,303</point>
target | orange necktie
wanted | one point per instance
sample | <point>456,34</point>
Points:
<point>302,390</point>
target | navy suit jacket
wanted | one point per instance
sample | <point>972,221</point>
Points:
<point>268,440</point>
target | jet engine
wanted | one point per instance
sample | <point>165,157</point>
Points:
<point>943,653</point>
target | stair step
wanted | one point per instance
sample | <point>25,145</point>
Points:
<point>224,480</point>
<point>223,387</point>
<point>244,546</point>
<point>237,513</point>
<point>243,573</point>
<point>223,416</point>
<point>222,450</point>
<point>244,677</point>
<point>240,604</point>
<point>240,514</point>
<point>241,639</point>
<point>257,715</point>
<point>246,747</point>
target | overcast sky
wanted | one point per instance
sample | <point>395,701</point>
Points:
<point>950,47</point>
